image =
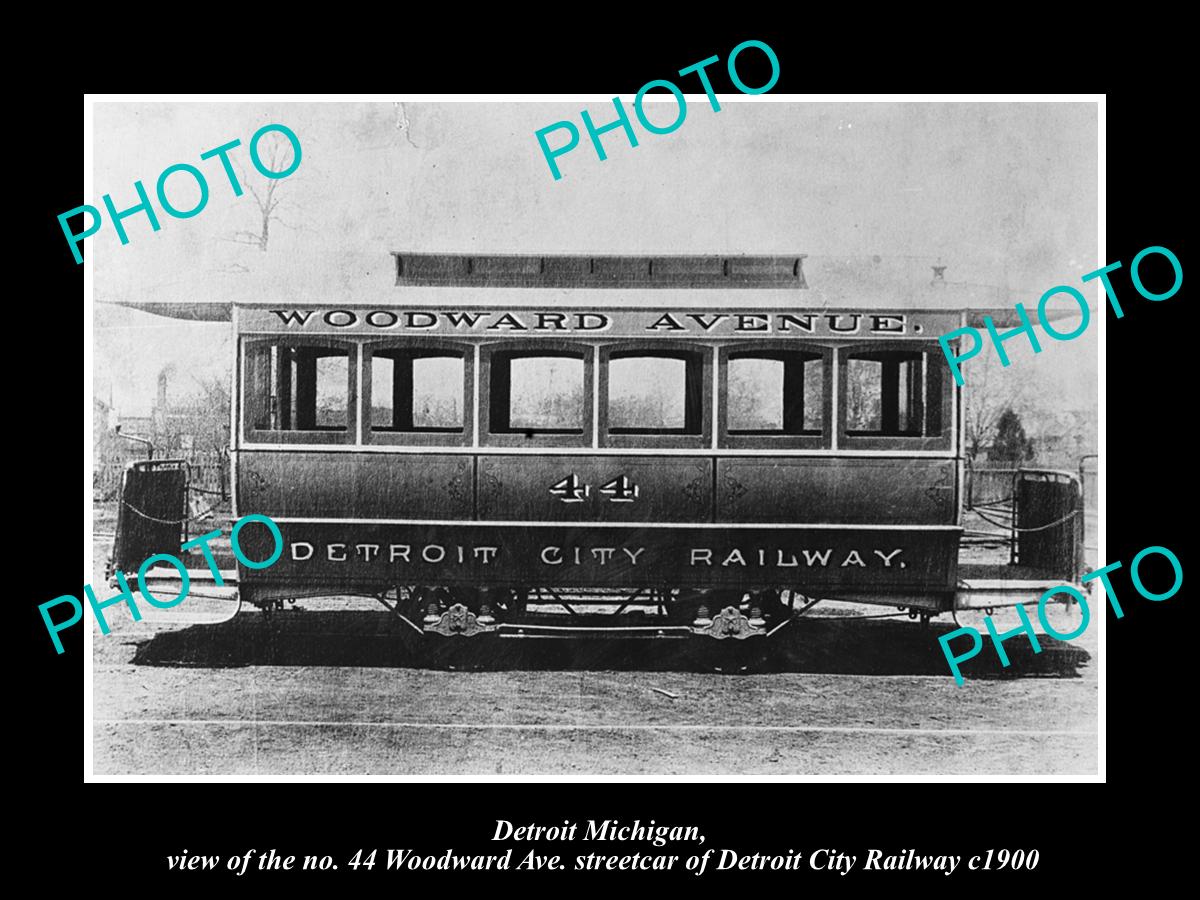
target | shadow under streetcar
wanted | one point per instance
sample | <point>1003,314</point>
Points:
<point>831,645</point>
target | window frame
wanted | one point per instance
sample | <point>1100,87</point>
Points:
<point>933,356</point>
<point>685,350</point>
<point>534,437</point>
<point>253,435</point>
<point>768,349</point>
<point>422,347</point>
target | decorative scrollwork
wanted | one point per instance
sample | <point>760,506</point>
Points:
<point>456,488</point>
<point>489,489</point>
<point>254,484</point>
<point>730,623</point>
<point>458,621</point>
<point>934,490</point>
<point>694,489</point>
<point>734,489</point>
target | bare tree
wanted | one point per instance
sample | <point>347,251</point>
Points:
<point>276,154</point>
<point>204,411</point>
<point>989,390</point>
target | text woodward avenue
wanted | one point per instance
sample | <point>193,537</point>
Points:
<point>625,322</point>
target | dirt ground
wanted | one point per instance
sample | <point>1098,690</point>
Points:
<point>326,688</point>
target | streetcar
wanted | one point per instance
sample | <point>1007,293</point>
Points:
<point>575,446</point>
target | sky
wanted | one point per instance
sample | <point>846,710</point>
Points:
<point>1001,193</point>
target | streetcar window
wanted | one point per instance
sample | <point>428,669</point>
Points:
<point>775,393</point>
<point>537,393</point>
<point>416,391</point>
<point>298,388</point>
<point>894,393</point>
<point>654,394</point>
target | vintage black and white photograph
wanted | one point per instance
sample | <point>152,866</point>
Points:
<point>496,438</point>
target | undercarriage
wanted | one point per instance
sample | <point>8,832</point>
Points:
<point>544,612</point>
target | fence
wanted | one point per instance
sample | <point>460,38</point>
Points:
<point>1089,474</point>
<point>209,469</point>
<point>987,485</point>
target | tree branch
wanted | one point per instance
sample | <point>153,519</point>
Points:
<point>242,237</point>
<point>403,125</point>
<point>257,199</point>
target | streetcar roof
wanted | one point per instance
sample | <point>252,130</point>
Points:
<point>410,281</point>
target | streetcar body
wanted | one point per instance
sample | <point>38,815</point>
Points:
<point>656,446</point>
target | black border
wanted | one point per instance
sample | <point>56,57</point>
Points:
<point>1130,830</point>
